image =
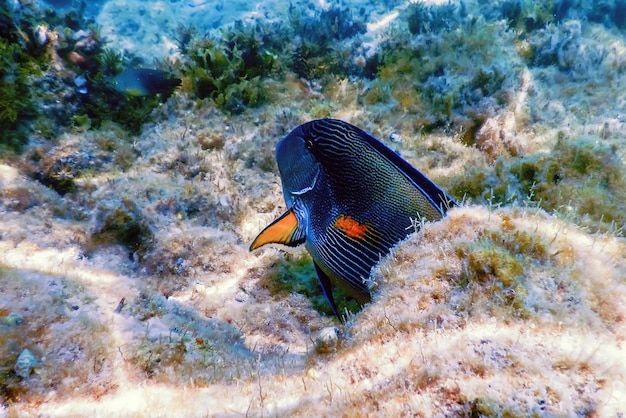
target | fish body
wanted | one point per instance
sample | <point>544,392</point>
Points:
<point>350,199</point>
<point>145,82</point>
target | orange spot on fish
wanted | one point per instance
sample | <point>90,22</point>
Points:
<point>350,226</point>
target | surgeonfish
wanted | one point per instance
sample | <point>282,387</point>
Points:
<point>145,82</point>
<point>350,199</point>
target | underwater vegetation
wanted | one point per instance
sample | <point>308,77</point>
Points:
<point>16,105</point>
<point>578,178</point>
<point>452,70</point>
<point>233,69</point>
<point>498,264</point>
<point>46,56</point>
<point>296,274</point>
<point>527,16</point>
<point>103,102</point>
<point>230,70</point>
<point>138,232</point>
<point>318,47</point>
<point>20,59</point>
<point>444,66</point>
<point>422,18</point>
<point>454,78</point>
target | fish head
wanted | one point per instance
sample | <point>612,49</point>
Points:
<point>302,180</point>
<point>299,169</point>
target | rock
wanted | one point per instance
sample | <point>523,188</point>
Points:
<point>25,364</point>
<point>327,340</point>
<point>121,221</point>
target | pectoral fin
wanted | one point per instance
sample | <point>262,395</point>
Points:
<point>284,230</point>
<point>327,289</point>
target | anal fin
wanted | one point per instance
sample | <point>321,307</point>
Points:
<point>327,288</point>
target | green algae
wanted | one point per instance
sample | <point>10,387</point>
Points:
<point>35,71</point>
<point>449,76</point>
<point>230,70</point>
<point>526,16</point>
<point>17,65</point>
<point>493,270</point>
<point>233,69</point>
<point>496,269</point>
<point>422,18</point>
<point>580,179</point>
<point>296,274</point>
<point>319,51</point>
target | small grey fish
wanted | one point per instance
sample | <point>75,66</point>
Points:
<point>145,82</point>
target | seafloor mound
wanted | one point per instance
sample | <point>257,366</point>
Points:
<point>461,324</point>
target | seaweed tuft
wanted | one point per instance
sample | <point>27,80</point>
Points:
<point>20,60</point>
<point>421,18</point>
<point>320,42</point>
<point>231,70</point>
<point>448,79</point>
<point>578,179</point>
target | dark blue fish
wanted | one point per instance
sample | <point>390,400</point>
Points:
<point>350,200</point>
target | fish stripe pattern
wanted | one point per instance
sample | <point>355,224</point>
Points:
<point>337,144</point>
